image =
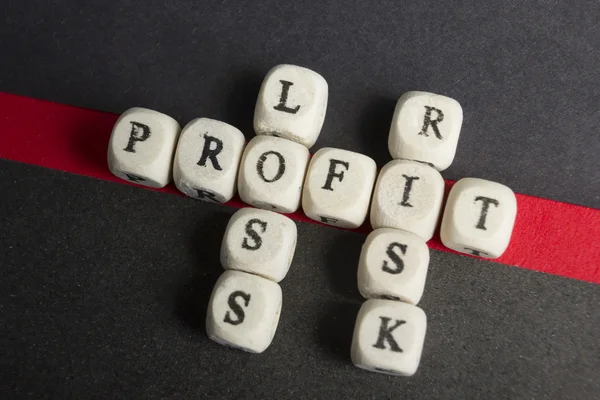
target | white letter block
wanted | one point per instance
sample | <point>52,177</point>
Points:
<point>207,160</point>
<point>338,187</point>
<point>388,337</point>
<point>291,104</point>
<point>426,128</point>
<point>243,311</point>
<point>260,242</point>
<point>408,196</point>
<point>141,147</point>
<point>271,173</point>
<point>479,217</point>
<point>393,265</point>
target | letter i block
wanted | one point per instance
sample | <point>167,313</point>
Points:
<point>272,172</point>
<point>141,147</point>
<point>408,196</point>
<point>243,311</point>
<point>207,160</point>
<point>259,242</point>
<point>426,128</point>
<point>388,337</point>
<point>338,187</point>
<point>479,217</point>
<point>291,104</point>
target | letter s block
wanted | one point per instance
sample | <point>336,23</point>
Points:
<point>291,104</point>
<point>393,265</point>
<point>243,311</point>
<point>272,172</point>
<point>479,217</point>
<point>388,337</point>
<point>141,147</point>
<point>426,128</point>
<point>260,242</point>
<point>207,159</point>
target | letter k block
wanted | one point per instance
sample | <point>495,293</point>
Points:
<point>388,337</point>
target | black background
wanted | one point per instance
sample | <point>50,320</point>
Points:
<point>104,287</point>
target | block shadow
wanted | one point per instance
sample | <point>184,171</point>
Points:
<point>336,327</point>
<point>374,127</point>
<point>239,110</point>
<point>194,295</point>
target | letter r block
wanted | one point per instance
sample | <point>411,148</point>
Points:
<point>479,217</point>
<point>260,242</point>
<point>243,311</point>
<point>291,104</point>
<point>388,337</point>
<point>207,159</point>
<point>141,147</point>
<point>338,187</point>
<point>425,128</point>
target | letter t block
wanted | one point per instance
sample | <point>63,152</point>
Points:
<point>479,217</point>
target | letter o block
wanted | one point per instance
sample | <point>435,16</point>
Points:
<point>260,242</point>
<point>141,147</point>
<point>207,159</point>
<point>291,104</point>
<point>479,217</point>
<point>272,172</point>
<point>388,337</point>
<point>243,311</point>
<point>338,187</point>
<point>425,128</point>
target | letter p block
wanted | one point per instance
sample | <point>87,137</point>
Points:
<point>141,147</point>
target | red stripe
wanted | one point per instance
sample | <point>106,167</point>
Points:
<point>549,236</point>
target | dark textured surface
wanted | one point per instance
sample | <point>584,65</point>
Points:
<point>525,72</point>
<point>104,287</point>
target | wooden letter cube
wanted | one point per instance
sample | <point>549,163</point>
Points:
<point>272,172</point>
<point>243,311</point>
<point>291,104</point>
<point>408,196</point>
<point>207,159</point>
<point>260,242</point>
<point>426,128</point>
<point>393,265</point>
<point>388,337</point>
<point>338,187</point>
<point>479,217</point>
<point>141,147</point>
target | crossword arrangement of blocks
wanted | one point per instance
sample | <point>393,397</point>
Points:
<point>209,160</point>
